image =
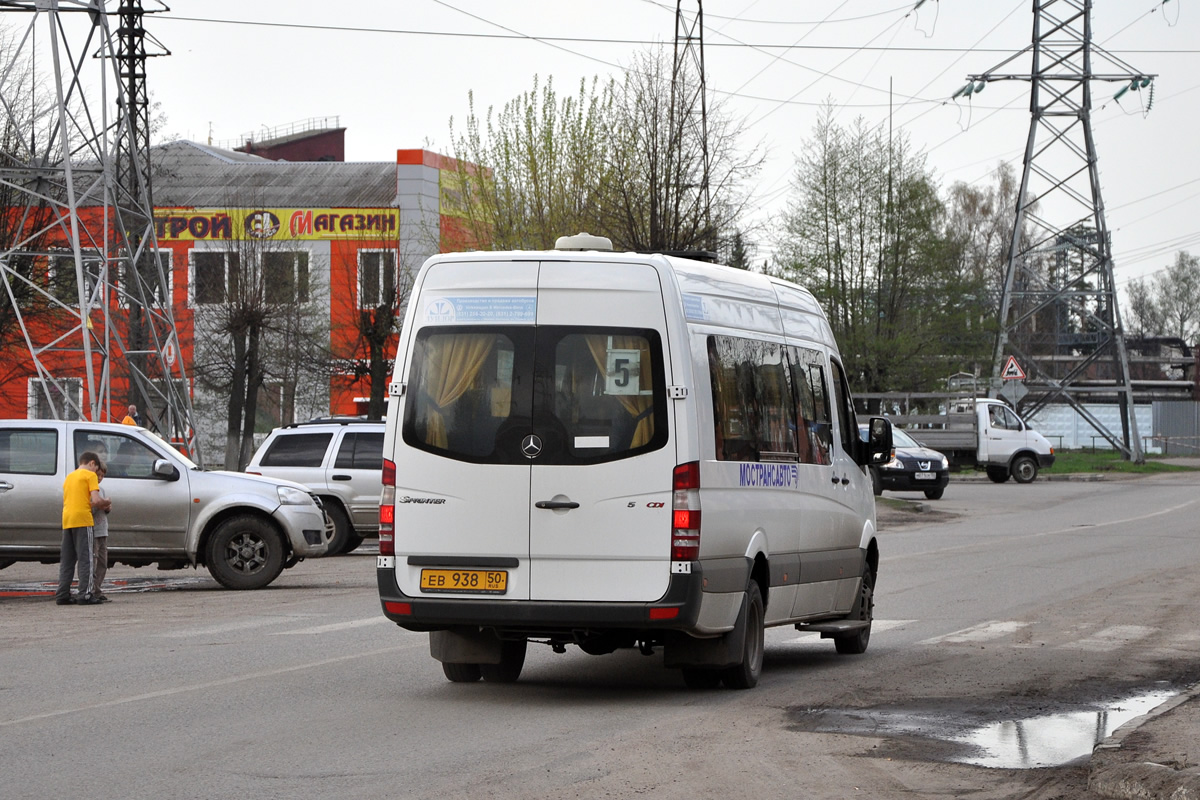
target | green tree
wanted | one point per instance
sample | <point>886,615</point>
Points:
<point>1169,303</point>
<point>864,231</point>
<point>535,170</point>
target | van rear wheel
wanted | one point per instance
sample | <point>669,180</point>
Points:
<point>745,675</point>
<point>461,673</point>
<point>512,660</point>
<point>997,474</point>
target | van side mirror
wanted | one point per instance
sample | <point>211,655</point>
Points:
<point>878,447</point>
<point>165,469</point>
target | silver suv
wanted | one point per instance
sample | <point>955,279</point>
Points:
<point>339,459</point>
<point>166,510</point>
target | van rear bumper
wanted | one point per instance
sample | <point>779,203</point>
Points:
<point>432,613</point>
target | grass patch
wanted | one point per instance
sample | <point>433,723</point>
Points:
<point>1068,461</point>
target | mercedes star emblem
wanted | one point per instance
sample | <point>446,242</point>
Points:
<point>531,445</point>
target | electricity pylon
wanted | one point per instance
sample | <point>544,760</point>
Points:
<point>84,279</point>
<point>1058,311</point>
<point>688,76</point>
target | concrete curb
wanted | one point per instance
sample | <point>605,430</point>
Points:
<point>1111,777</point>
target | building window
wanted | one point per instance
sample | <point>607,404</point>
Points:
<point>376,278</point>
<point>60,398</point>
<point>214,276</point>
<point>63,281</point>
<point>153,292</point>
<point>285,277</point>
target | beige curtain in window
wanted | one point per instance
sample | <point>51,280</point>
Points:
<point>454,363</point>
<point>636,405</point>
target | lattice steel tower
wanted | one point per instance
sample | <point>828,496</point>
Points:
<point>85,285</point>
<point>1058,311</point>
<point>689,55</point>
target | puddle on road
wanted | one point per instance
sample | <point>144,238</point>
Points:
<point>1013,742</point>
<point>1054,739</point>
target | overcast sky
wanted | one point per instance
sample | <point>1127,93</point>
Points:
<point>395,71</point>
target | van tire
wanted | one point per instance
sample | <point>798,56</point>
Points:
<point>745,675</point>
<point>997,474</point>
<point>935,494</point>
<point>1024,469</point>
<point>461,673</point>
<point>864,609</point>
<point>245,552</point>
<point>512,660</point>
<point>700,678</point>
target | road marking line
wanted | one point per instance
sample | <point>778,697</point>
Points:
<point>194,687</point>
<point>979,633</point>
<point>229,627</point>
<point>336,626</point>
<point>1111,638</point>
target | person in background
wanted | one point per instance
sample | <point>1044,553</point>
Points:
<point>132,417</point>
<point>100,539</point>
<point>81,495</point>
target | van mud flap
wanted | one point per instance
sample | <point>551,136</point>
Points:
<point>718,652</point>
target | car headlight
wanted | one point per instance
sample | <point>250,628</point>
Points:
<point>895,463</point>
<point>290,496</point>
<point>945,463</point>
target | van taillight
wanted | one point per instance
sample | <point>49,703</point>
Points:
<point>685,512</point>
<point>387,510</point>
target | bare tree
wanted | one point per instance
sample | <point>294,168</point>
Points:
<point>535,170</point>
<point>1168,304</point>
<point>654,199</point>
<point>256,310</point>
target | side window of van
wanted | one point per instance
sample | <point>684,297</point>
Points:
<point>845,411</point>
<point>300,450</point>
<point>813,423</point>
<point>753,408</point>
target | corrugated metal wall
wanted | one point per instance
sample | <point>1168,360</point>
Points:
<point>1177,427</point>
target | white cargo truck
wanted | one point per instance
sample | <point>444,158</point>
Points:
<point>982,432</point>
<point>622,450</point>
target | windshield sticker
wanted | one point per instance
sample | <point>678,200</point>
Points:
<point>693,307</point>
<point>446,310</point>
<point>777,476</point>
<point>624,372</point>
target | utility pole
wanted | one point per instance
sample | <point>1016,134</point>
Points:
<point>1059,317</point>
<point>84,195</point>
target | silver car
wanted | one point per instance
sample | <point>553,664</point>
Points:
<point>341,461</point>
<point>166,510</point>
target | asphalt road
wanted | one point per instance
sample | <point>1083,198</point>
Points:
<point>1007,619</point>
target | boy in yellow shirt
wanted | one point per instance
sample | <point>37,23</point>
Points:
<point>81,494</point>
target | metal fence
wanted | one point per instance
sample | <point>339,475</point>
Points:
<point>1177,427</point>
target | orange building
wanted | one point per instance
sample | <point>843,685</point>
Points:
<point>332,240</point>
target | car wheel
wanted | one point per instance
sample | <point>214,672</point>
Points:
<point>856,643</point>
<point>512,659</point>
<point>745,675</point>
<point>245,552</point>
<point>342,530</point>
<point>700,678</point>
<point>935,494</point>
<point>352,543</point>
<point>997,474</point>
<point>1024,469</point>
<point>461,673</point>
<point>5,563</point>
<point>876,482</point>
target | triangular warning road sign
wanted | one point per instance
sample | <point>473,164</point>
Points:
<point>1012,370</point>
